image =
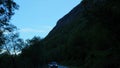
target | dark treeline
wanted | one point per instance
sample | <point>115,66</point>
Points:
<point>87,37</point>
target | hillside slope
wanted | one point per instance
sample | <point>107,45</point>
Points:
<point>88,35</point>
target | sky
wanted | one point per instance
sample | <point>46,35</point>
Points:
<point>38,17</point>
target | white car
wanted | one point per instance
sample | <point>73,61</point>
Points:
<point>53,65</point>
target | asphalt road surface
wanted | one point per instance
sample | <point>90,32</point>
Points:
<point>62,66</point>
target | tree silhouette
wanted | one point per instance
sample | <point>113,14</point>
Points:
<point>7,8</point>
<point>14,44</point>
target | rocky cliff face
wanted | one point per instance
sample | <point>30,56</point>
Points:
<point>74,13</point>
<point>89,8</point>
<point>88,35</point>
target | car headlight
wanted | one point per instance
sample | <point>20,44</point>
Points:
<point>56,65</point>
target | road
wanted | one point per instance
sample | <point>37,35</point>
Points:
<point>59,66</point>
<point>62,66</point>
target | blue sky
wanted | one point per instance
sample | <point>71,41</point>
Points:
<point>38,17</point>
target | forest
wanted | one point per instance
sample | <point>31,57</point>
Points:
<point>87,37</point>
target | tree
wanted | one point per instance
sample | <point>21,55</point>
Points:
<point>33,52</point>
<point>7,8</point>
<point>14,44</point>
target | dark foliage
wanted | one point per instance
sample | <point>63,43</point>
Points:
<point>7,8</point>
<point>87,37</point>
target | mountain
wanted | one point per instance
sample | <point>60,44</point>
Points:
<point>88,35</point>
